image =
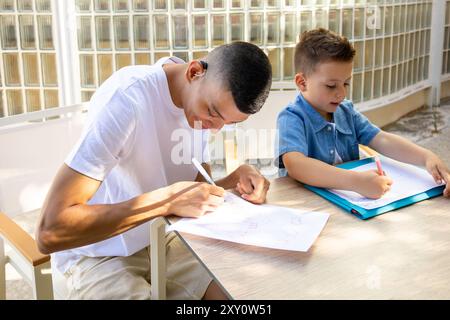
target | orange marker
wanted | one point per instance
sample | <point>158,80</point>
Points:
<point>380,169</point>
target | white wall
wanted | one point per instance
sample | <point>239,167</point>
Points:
<point>257,138</point>
<point>30,155</point>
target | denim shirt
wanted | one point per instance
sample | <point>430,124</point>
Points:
<point>302,129</point>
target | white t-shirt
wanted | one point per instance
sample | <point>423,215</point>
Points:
<point>135,141</point>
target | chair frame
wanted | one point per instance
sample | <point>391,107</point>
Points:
<point>25,257</point>
<point>35,267</point>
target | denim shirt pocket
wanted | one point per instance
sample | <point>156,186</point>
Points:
<point>355,151</point>
<point>347,146</point>
<point>322,147</point>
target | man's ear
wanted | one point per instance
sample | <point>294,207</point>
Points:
<point>195,69</point>
<point>300,81</point>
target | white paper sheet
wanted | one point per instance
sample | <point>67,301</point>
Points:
<point>259,225</point>
<point>408,180</point>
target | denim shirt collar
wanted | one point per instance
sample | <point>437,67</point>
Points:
<point>318,122</point>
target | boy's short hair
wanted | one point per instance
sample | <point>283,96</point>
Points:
<point>321,45</point>
<point>245,70</point>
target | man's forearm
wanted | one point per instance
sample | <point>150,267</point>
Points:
<point>83,224</point>
<point>230,181</point>
<point>227,182</point>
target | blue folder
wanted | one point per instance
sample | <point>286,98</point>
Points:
<point>369,213</point>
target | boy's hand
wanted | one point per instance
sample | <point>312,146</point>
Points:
<point>371,185</point>
<point>438,171</point>
<point>194,199</point>
<point>252,185</point>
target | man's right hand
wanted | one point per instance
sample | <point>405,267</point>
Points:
<point>371,185</point>
<point>194,199</point>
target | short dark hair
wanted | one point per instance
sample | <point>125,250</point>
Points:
<point>321,45</point>
<point>245,70</point>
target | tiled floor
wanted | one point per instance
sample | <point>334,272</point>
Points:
<point>429,128</point>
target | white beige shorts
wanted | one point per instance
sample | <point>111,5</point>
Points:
<point>129,277</point>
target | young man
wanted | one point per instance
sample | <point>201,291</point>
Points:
<point>126,170</point>
<point>321,128</point>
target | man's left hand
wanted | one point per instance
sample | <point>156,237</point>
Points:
<point>251,184</point>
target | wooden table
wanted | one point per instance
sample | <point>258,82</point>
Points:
<point>404,254</point>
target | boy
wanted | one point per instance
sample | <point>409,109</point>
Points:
<point>321,128</point>
<point>126,170</point>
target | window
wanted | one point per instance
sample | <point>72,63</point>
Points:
<point>391,38</point>
<point>28,61</point>
<point>446,52</point>
<point>390,53</point>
